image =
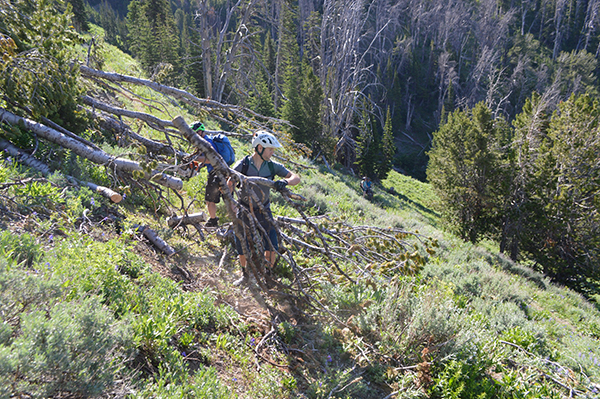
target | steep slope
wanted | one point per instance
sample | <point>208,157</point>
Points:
<point>90,307</point>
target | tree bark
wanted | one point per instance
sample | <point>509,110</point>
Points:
<point>193,218</point>
<point>96,156</point>
<point>36,164</point>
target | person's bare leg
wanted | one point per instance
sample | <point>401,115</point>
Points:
<point>270,256</point>
<point>212,209</point>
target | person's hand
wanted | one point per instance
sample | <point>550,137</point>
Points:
<point>280,184</point>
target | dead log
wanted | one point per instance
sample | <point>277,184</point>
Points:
<point>125,112</point>
<point>116,126</point>
<point>104,191</point>
<point>96,156</point>
<point>245,114</point>
<point>26,159</point>
<point>194,218</point>
<point>155,239</point>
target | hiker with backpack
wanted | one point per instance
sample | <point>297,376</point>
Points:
<point>367,187</point>
<point>260,164</point>
<point>222,145</point>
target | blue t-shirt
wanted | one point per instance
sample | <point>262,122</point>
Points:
<point>262,192</point>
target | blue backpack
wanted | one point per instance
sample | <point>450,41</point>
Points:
<point>224,148</point>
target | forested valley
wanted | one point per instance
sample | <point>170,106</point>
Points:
<point>357,64</point>
<point>473,271</point>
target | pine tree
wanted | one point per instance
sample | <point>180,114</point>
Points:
<point>260,99</point>
<point>367,156</point>
<point>526,221</point>
<point>388,148</point>
<point>115,28</point>
<point>574,207</point>
<point>467,169</point>
<point>311,98</point>
<point>153,37</point>
<point>37,71</point>
<point>291,109</point>
<point>79,15</point>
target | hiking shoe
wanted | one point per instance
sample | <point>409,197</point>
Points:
<point>241,280</point>
<point>212,222</point>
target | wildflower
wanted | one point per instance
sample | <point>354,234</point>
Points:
<point>183,354</point>
<point>252,341</point>
<point>51,237</point>
<point>329,358</point>
<point>92,201</point>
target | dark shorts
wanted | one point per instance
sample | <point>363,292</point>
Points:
<point>213,193</point>
<point>266,224</point>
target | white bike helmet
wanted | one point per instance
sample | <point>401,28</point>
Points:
<point>266,139</point>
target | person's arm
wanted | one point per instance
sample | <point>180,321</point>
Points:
<point>292,179</point>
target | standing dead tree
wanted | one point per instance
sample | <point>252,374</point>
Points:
<point>349,44</point>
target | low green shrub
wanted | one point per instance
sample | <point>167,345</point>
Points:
<point>203,383</point>
<point>464,380</point>
<point>19,249</point>
<point>76,348</point>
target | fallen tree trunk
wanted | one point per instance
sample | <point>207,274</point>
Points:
<point>125,112</point>
<point>26,159</point>
<point>155,239</point>
<point>115,126</point>
<point>243,113</point>
<point>96,156</point>
<point>193,218</point>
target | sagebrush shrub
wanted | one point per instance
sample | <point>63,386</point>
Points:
<point>76,348</point>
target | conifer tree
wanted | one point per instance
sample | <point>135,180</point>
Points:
<point>368,152</point>
<point>79,16</point>
<point>260,99</point>
<point>388,148</point>
<point>291,109</point>
<point>115,27</point>
<point>311,98</point>
<point>572,245</point>
<point>37,71</point>
<point>153,36</point>
<point>467,170</point>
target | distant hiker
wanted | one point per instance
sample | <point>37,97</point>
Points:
<point>260,164</point>
<point>366,186</point>
<point>212,195</point>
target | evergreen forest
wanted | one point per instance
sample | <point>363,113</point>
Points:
<point>473,271</point>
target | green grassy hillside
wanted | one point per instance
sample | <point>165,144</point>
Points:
<point>90,308</point>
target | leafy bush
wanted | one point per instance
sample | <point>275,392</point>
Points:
<point>204,383</point>
<point>462,380</point>
<point>20,248</point>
